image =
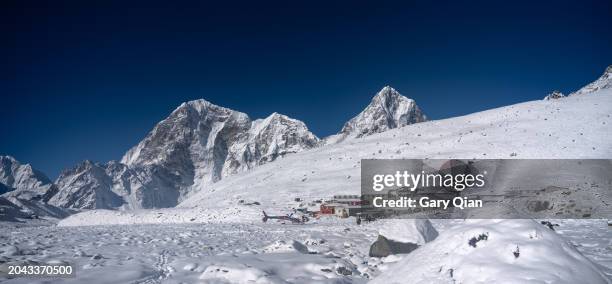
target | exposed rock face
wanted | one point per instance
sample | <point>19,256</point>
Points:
<point>191,145</point>
<point>554,96</point>
<point>603,82</point>
<point>387,110</point>
<point>23,181</point>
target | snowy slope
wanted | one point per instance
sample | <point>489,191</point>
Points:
<point>573,127</point>
<point>387,110</point>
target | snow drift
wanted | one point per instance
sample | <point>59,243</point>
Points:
<point>504,251</point>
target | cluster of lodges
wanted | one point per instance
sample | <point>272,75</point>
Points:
<point>342,206</point>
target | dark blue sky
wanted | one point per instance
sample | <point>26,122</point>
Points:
<point>88,81</point>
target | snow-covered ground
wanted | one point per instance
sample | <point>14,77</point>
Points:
<point>175,253</point>
<point>213,237</point>
<point>311,253</point>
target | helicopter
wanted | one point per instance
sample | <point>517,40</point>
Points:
<point>289,217</point>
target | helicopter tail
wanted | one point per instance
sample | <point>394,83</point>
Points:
<point>265,217</point>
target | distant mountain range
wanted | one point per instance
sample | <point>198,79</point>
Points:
<point>199,143</point>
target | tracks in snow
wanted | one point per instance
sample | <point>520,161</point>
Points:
<point>162,270</point>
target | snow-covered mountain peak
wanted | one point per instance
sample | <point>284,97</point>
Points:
<point>197,110</point>
<point>392,102</point>
<point>275,119</point>
<point>273,137</point>
<point>22,180</point>
<point>275,116</point>
<point>201,106</point>
<point>603,82</point>
<point>88,163</point>
<point>199,103</point>
<point>387,110</point>
<point>12,173</point>
<point>198,144</point>
<point>198,119</point>
<point>387,92</point>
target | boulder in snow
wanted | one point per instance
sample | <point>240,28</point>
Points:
<point>384,247</point>
<point>554,96</point>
